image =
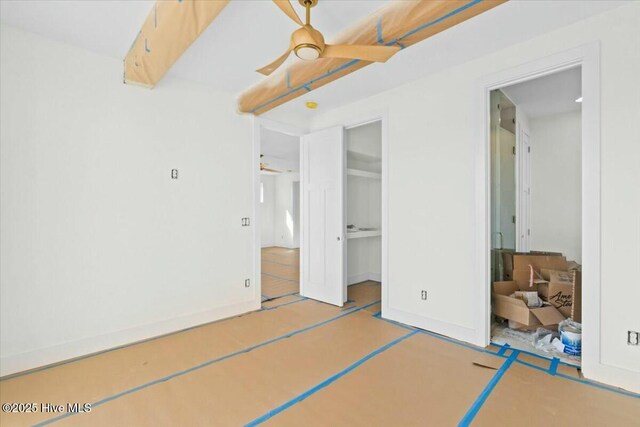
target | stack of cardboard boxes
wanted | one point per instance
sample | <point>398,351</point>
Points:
<point>556,280</point>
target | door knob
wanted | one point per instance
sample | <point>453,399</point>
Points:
<point>338,238</point>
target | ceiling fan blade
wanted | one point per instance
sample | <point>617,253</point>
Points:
<point>268,69</point>
<point>364,52</point>
<point>287,8</point>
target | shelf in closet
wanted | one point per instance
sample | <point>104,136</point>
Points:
<point>361,234</point>
<point>364,174</point>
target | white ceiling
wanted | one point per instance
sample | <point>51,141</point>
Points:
<point>552,94</point>
<point>250,33</point>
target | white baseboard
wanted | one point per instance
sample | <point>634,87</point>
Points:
<point>358,278</point>
<point>607,374</point>
<point>451,330</point>
<point>61,352</point>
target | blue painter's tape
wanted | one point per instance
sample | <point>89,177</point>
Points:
<point>503,349</point>
<point>530,365</point>
<point>539,356</point>
<point>553,366</point>
<point>205,364</point>
<point>379,30</point>
<point>600,386</point>
<point>471,413</point>
<point>442,18</point>
<point>288,79</point>
<point>98,353</point>
<point>285,304</point>
<point>451,340</point>
<point>355,61</point>
<point>327,382</point>
<point>307,88</point>
<point>286,295</point>
<point>278,277</point>
<point>378,315</point>
<point>302,86</point>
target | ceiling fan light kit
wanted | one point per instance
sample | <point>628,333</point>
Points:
<point>397,25</point>
<point>308,44</point>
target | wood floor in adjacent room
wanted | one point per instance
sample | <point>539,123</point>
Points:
<point>280,272</point>
<point>301,362</point>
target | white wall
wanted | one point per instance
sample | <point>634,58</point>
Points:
<point>432,186</point>
<point>99,246</point>
<point>267,210</point>
<point>286,219</point>
<point>556,198</point>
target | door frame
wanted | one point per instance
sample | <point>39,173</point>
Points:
<point>587,57</point>
<point>381,116</point>
<point>259,124</point>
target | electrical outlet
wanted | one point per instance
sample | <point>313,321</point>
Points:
<point>247,283</point>
<point>633,338</point>
<point>246,222</point>
<point>424,295</point>
<point>174,173</point>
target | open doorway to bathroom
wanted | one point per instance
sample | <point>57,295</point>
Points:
<point>536,215</point>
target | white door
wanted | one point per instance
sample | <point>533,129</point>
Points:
<point>507,188</point>
<point>323,231</point>
<point>524,187</point>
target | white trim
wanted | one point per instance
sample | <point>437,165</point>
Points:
<point>65,351</point>
<point>260,123</point>
<point>588,57</point>
<point>360,120</point>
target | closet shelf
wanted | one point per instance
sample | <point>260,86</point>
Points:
<point>364,174</point>
<point>361,234</point>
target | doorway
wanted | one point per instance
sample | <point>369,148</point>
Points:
<point>279,214</point>
<point>330,244</point>
<point>536,215</point>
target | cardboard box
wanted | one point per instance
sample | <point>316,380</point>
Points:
<point>539,261</point>
<point>520,261</point>
<point>563,291</point>
<point>516,310</point>
<point>516,266</point>
<point>522,278</point>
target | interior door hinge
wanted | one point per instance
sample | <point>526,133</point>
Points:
<point>514,150</point>
<point>514,219</point>
<point>528,232</point>
<point>528,149</point>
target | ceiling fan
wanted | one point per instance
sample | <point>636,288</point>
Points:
<point>308,43</point>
